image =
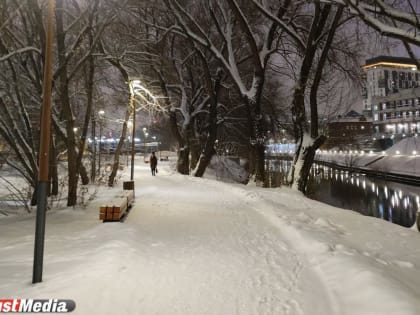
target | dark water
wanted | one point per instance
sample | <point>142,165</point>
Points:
<point>391,201</point>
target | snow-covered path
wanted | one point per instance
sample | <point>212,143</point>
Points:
<point>228,259</point>
<point>197,246</point>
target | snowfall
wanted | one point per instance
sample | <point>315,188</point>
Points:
<point>200,246</point>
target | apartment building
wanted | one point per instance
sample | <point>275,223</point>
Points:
<point>386,75</point>
<point>397,113</point>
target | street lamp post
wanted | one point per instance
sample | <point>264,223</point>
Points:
<point>44,151</point>
<point>137,88</point>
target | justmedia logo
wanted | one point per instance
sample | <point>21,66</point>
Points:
<point>36,306</point>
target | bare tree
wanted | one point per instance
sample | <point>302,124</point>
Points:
<point>312,34</point>
<point>244,60</point>
<point>394,19</point>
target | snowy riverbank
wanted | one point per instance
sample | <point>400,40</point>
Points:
<point>402,158</point>
<point>198,246</point>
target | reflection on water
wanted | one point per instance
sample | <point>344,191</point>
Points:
<point>394,202</point>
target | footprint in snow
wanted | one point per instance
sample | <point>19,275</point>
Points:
<point>373,245</point>
<point>403,264</point>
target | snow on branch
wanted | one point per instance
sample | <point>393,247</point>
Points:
<point>19,51</point>
<point>371,17</point>
<point>228,63</point>
<point>286,27</point>
<point>249,35</point>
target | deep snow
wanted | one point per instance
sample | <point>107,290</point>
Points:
<point>198,246</point>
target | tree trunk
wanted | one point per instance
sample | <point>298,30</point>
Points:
<point>309,141</point>
<point>260,162</point>
<point>89,91</point>
<point>303,162</point>
<point>183,163</point>
<point>93,160</point>
<point>209,150</point>
<point>34,195</point>
<point>53,169</point>
<point>66,110</point>
<point>84,175</point>
<point>116,163</point>
<point>195,155</point>
<point>257,145</point>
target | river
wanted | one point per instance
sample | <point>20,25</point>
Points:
<point>391,201</point>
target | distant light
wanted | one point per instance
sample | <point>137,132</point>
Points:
<point>101,112</point>
<point>75,129</point>
<point>403,135</point>
<point>383,153</point>
<point>392,64</point>
<point>397,152</point>
<point>414,152</point>
<point>370,152</point>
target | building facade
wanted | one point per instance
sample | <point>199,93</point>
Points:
<point>386,75</point>
<point>351,131</point>
<point>397,114</point>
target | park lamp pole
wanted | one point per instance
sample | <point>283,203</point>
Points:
<point>135,83</point>
<point>44,150</point>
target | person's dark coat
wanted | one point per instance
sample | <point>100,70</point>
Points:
<point>153,161</point>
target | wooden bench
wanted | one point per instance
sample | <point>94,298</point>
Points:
<point>119,207</point>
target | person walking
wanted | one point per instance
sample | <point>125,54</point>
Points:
<point>153,163</point>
